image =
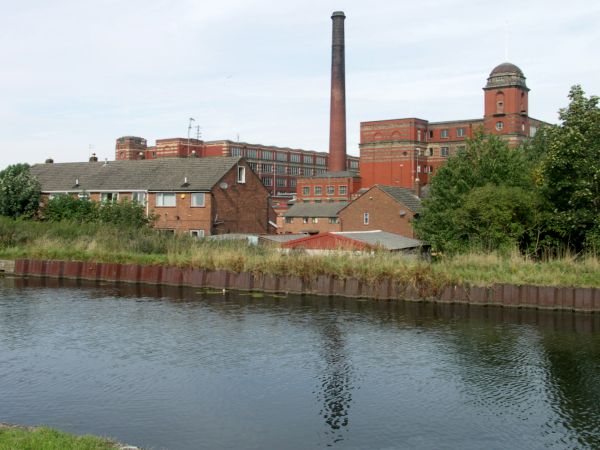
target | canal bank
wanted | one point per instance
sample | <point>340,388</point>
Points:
<point>581,299</point>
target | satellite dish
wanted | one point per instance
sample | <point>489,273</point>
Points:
<point>223,185</point>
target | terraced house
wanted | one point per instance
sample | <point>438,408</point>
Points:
<point>200,196</point>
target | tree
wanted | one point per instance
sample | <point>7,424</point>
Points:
<point>570,174</point>
<point>473,196</point>
<point>19,192</point>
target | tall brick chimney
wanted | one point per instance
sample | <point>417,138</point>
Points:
<point>337,118</point>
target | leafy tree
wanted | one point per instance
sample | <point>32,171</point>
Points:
<point>570,174</point>
<point>19,192</point>
<point>473,196</point>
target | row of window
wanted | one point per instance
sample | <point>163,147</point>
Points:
<point>279,182</point>
<point>163,199</point>
<point>331,220</point>
<point>444,134</point>
<point>330,190</point>
<point>253,153</point>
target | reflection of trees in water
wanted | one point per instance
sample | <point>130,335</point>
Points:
<point>574,376</point>
<point>335,389</point>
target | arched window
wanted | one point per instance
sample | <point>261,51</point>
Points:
<point>500,102</point>
<point>523,106</point>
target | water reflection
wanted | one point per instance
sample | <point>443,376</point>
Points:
<point>231,370</point>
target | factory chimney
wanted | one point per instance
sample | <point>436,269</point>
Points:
<point>337,124</point>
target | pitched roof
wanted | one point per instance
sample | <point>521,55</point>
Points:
<point>326,209</point>
<point>389,241</point>
<point>166,174</point>
<point>403,195</point>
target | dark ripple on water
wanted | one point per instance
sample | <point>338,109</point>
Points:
<point>195,371</point>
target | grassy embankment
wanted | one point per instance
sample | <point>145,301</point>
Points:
<point>66,241</point>
<point>43,438</point>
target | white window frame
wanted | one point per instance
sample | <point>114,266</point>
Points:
<point>141,201</point>
<point>330,190</point>
<point>460,132</point>
<point>193,197</point>
<point>343,189</point>
<point>160,199</point>
<point>444,151</point>
<point>114,197</point>
<point>366,218</point>
<point>197,233</point>
<point>320,188</point>
<point>444,134</point>
<point>241,174</point>
<point>499,125</point>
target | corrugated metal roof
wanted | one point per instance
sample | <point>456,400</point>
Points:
<point>389,241</point>
<point>167,174</point>
<point>325,209</point>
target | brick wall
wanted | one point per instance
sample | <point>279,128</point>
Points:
<point>384,214</point>
<point>322,225</point>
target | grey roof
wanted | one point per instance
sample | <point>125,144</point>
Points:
<point>166,174</point>
<point>343,174</point>
<point>403,195</point>
<point>325,209</point>
<point>282,237</point>
<point>389,241</point>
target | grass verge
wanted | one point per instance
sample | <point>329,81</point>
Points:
<point>43,438</point>
<point>103,243</point>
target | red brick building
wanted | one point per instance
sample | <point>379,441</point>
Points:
<point>277,167</point>
<point>386,208</point>
<point>396,152</point>
<point>200,196</point>
<point>311,218</point>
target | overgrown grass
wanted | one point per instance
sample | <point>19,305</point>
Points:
<point>43,438</point>
<point>104,243</point>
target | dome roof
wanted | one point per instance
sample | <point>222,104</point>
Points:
<point>506,75</point>
<point>507,67</point>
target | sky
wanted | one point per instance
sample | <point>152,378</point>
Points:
<point>77,74</point>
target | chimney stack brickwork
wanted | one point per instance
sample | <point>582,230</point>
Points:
<point>337,126</point>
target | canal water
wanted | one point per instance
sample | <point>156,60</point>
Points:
<point>169,368</point>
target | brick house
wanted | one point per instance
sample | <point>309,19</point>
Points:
<point>386,208</point>
<point>201,196</point>
<point>312,218</point>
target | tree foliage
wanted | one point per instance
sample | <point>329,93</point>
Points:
<point>569,174</point>
<point>19,192</point>
<point>83,210</point>
<point>479,199</point>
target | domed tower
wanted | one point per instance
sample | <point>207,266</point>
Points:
<point>506,103</point>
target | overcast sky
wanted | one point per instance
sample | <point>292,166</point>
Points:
<point>77,73</point>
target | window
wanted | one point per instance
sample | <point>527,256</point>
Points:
<point>500,103</point>
<point>109,197</point>
<point>429,151</point>
<point>321,171</point>
<point>366,218</point>
<point>444,151</point>
<point>267,154</point>
<point>236,151</point>
<point>418,169</point>
<point>241,174</point>
<point>499,125</point>
<point>138,197</point>
<point>305,220</point>
<point>318,190</point>
<point>267,181</point>
<point>294,170</point>
<point>281,182</point>
<point>444,133</point>
<point>253,166</point>
<point>165,199</point>
<point>293,182</point>
<point>251,153</point>
<point>330,190</point>
<point>418,135</point>
<point>342,190</point>
<point>289,220</point>
<point>266,168</point>
<point>334,220</point>
<point>280,169</point>
<point>353,164</point>
<point>314,220</point>
<point>295,157</point>
<point>321,161</point>
<point>305,190</point>
<point>308,159</point>
<point>197,233</point>
<point>430,134</point>
<point>460,132</point>
<point>198,199</point>
<point>281,156</point>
